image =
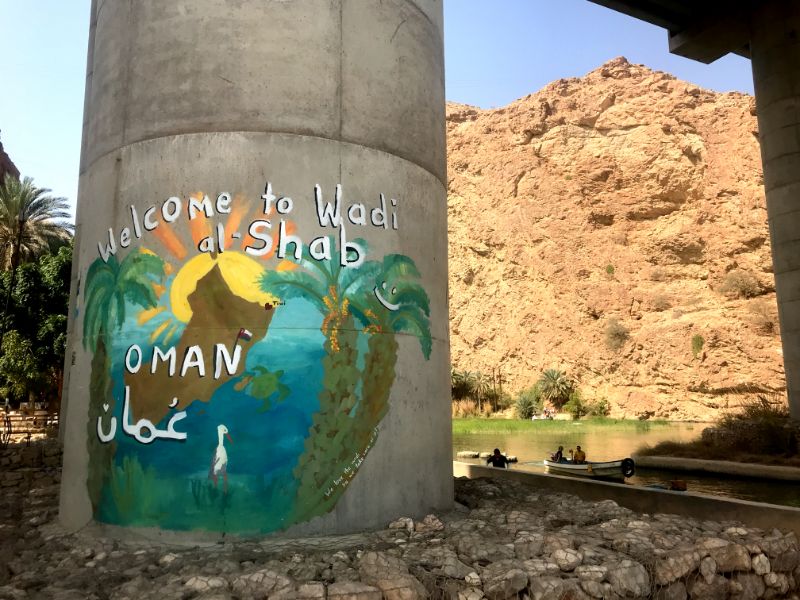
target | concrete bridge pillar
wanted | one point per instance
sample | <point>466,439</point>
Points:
<point>775,50</point>
<point>259,328</point>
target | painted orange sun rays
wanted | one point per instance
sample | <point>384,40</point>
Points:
<point>200,228</point>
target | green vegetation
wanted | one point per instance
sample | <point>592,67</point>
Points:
<point>555,387</point>
<point>610,270</point>
<point>35,242</point>
<point>35,329</point>
<point>529,402</point>
<point>32,223</point>
<point>616,334</point>
<point>740,284</point>
<point>697,344</point>
<point>578,408</point>
<point>482,391</point>
<point>479,425</point>
<point>761,433</point>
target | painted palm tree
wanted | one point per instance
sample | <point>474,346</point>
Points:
<point>109,285</point>
<point>31,222</point>
<point>331,289</point>
<point>405,310</point>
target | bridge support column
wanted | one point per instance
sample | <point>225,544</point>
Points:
<point>775,48</point>
<point>258,324</point>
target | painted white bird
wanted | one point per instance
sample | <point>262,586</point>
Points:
<point>219,464</point>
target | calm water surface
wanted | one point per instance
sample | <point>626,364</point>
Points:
<point>609,443</point>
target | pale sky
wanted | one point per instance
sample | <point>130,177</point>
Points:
<point>495,51</point>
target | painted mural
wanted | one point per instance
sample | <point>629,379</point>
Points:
<point>238,380</point>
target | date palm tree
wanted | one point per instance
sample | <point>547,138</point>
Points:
<point>31,221</point>
<point>31,224</point>
<point>555,387</point>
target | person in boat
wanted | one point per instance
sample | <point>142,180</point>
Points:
<point>497,460</point>
<point>579,458</point>
<point>558,455</point>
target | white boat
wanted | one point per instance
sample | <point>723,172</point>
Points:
<point>612,469</point>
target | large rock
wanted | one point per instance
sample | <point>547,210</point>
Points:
<point>629,578</point>
<point>401,587</point>
<point>717,589</point>
<point>674,591</point>
<point>503,580</point>
<point>261,584</point>
<point>627,196</point>
<point>353,590</point>
<point>675,565</point>
<point>749,586</point>
<point>376,566</point>
<point>729,556</point>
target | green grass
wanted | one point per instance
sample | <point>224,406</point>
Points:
<point>482,425</point>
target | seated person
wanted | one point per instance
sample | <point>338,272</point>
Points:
<point>579,458</point>
<point>497,460</point>
<point>558,455</point>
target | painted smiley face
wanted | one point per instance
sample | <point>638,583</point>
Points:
<point>388,305</point>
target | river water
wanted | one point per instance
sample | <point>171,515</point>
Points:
<point>610,443</point>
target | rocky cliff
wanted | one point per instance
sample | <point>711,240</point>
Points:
<point>614,226</point>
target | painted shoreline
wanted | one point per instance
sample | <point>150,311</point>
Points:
<point>719,467</point>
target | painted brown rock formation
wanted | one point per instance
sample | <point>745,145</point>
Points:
<point>217,316</point>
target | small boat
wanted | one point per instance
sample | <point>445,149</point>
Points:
<point>612,469</point>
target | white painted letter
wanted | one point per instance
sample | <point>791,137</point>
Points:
<point>193,357</point>
<point>329,216</point>
<point>168,355</point>
<point>222,356</point>
<point>257,232</point>
<point>128,366</point>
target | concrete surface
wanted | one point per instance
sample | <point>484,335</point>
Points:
<point>641,499</point>
<point>776,73</point>
<point>723,467</point>
<point>222,96</point>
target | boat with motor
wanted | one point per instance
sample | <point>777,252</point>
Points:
<point>612,469</point>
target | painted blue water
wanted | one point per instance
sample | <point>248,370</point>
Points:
<point>264,442</point>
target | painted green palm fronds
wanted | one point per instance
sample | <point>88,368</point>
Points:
<point>110,283</point>
<point>295,284</point>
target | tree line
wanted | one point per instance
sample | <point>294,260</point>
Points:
<point>36,259</point>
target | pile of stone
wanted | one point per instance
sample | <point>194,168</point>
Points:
<point>20,464</point>
<point>503,541</point>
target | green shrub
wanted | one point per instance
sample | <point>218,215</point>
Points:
<point>528,403</point>
<point>575,405</point>
<point>740,284</point>
<point>616,334</point>
<point>697,344</point>
<point>610,269</point>
<point>601,408</point>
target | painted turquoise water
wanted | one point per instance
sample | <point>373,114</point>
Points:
<point>166,483</point>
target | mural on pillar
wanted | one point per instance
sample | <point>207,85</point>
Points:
<point>238,381</point>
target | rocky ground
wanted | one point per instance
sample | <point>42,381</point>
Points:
<point>614,226</point>
<point>503,540</point>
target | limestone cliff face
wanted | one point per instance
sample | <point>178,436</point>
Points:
<point>6,165</point>
<point>626,194</point>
